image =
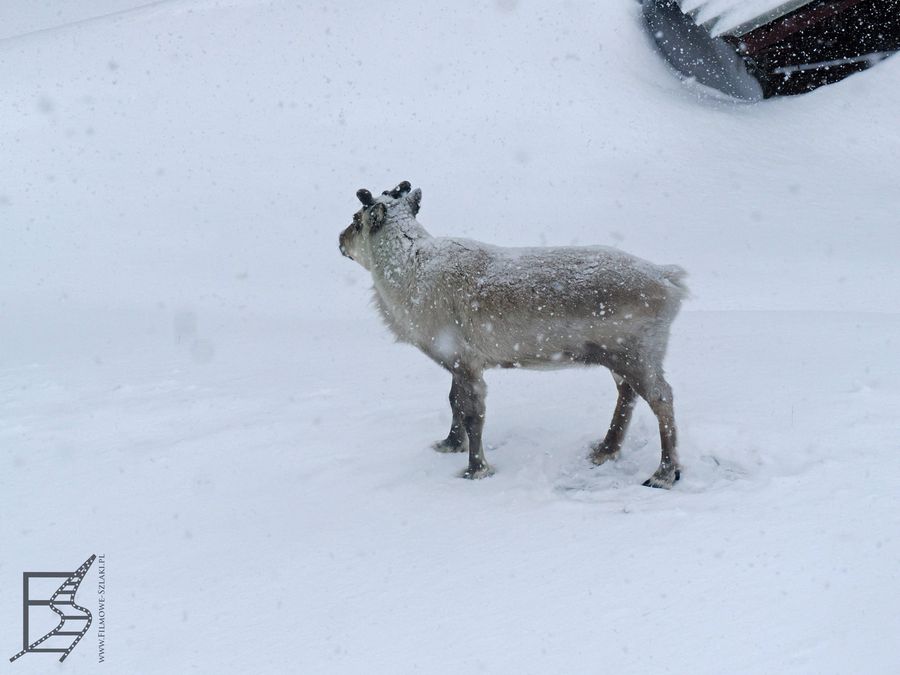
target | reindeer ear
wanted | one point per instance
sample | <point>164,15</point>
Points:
<point>377,216</point>
<point>414,198</point>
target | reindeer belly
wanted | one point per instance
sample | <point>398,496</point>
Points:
<point>549,342</point>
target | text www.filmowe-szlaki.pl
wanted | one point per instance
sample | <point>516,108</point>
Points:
<point>101,607</point>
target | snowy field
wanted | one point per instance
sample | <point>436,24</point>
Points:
<point>194,383</point>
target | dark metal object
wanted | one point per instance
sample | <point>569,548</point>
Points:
<point>790,50</point>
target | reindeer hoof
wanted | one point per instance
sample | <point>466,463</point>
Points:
<point>482,471</point>
<point>448,445</point>
<point>664,477</point>
<point>600,454</point>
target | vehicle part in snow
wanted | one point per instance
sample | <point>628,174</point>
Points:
<point>762,48</point>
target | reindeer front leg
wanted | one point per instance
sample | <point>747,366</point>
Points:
<point>457,440</point>
<point>471,394</point>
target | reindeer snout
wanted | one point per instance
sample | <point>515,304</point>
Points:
<point>343,248</point>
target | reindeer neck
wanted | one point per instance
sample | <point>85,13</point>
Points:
<point>397,242</point>
<point>392,268</point>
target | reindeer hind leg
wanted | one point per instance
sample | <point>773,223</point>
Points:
<point>609,447</point>
<point>657,392</point>
<point>645,376</point>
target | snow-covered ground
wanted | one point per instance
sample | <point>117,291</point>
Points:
<point>193,381</point>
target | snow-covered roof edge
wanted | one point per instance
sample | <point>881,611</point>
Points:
<point>737,17</point>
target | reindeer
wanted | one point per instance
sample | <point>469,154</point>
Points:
<point>471,306</point>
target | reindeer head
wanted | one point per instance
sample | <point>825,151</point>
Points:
<point>369,222</point>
